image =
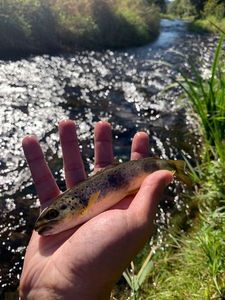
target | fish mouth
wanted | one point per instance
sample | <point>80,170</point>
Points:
<point>44,228</point>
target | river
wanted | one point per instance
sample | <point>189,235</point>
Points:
<point>123,87</point>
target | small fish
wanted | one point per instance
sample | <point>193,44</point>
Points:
<point>100,192</point>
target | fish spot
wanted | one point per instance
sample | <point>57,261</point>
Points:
<point>116,179</point>
<point>63,206</point>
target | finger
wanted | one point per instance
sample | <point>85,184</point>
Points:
<point>144,206</point>
<point>44,181</point>
<point>140,145</point>
<point>72,160</point>
<point>103,145</point>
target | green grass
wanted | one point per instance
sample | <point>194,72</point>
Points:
<point>207,25</point>
<point>193,266</point>
<point>207,97</point>
<point>191,263</point>
<point>75,24</point>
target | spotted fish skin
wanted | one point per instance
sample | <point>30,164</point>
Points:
<point>100,192</point>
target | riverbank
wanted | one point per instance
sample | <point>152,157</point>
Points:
<point>210,24</point>
<point>201,26</point>
<point>204,16</point>
<point>190,264</point>
<point>48,27</point>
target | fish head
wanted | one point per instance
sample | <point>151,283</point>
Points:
<point>48,221</point>
<point>56,218</point>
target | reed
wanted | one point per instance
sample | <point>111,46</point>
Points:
<point>207,96</point>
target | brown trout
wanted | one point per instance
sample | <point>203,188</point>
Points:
<point>100,192</point>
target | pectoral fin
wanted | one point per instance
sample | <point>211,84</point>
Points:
<point>91,201</point>
<point>93,198</point>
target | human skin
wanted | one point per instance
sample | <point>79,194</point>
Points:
<point>85,262</point>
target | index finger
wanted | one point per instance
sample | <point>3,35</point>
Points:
<point>44,181</point>
<point>72,160</point>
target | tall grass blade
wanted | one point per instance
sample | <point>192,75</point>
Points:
<point>195,173</point>
<point>208,101</point>
<point>216,59</point>
<point>146,268</point>
<point>127,276</point>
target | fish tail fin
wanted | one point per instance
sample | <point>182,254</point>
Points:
<point>179,169</point>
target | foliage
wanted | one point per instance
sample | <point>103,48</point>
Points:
<point>23,26</point>
<point>109,23</point>
<point>75,24</point>
<point>198,4</point>
<point>199,26</point>
<point>135,281</point>
<point>208,99</point>
<point>160,3</point>
<point>209,24</point>
<point>199,8</point>
<point>178,274</point>
<point>214,8</point>
<point>181,8</point>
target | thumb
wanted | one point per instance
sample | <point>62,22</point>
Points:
<point>144,206</point>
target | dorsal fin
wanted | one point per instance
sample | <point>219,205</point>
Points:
<point>112,165</point>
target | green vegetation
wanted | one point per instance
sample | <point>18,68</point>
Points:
<point>208,100</point>
<point>181,9</point>
<point>209,24</point>
<point>205,13</point>
<point>43,26</point>
<point>191,263</point>
<point>200,8</point>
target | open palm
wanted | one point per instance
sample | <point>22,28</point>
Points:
<point>85,262</point>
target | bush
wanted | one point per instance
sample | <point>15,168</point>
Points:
<point>182,8</point>
<point>23,26</point>
<point>75,24</point>
<point>106,23</point>
<point>214,8</point>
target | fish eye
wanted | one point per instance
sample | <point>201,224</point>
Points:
<point>52,214</point>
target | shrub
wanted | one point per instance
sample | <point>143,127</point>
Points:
<point>214,8</point>
<point>106,23</point>
<point>23,26</point>
<point>75,24</point>
<point>182,8</point>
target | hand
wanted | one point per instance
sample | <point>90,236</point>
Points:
<point>85,263</point>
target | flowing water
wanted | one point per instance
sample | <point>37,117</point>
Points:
<point>123,87</point>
